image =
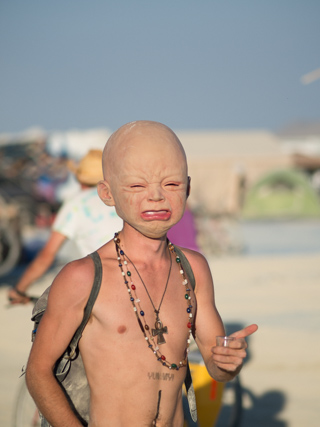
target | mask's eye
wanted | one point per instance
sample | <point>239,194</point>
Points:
<point>172,184</point>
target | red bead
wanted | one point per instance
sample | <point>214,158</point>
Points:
<point>189,325</point>
<point>163,357</point>
<point>133,287</point>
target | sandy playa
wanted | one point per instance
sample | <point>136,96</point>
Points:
<point>281,294</point>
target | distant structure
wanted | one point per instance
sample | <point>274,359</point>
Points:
<point>302,141</point>
<point>223,165</point>
<point>76,143</point>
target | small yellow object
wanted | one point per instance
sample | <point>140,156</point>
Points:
<point>208,395</point>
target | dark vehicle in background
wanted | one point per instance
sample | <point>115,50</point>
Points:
<point>10,236</point>
<point>29,177</point>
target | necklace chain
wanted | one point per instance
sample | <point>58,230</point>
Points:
<point>140,315</point>
<point>145,287</point>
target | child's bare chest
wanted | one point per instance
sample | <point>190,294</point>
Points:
<point>147,312</point>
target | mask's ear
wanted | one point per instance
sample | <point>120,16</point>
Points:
<point>104,192</point>
<point>188,186</point>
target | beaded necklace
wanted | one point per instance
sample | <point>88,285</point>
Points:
<point>159,329</point>
<point>150,335</point>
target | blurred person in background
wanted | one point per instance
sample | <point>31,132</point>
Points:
<point>84,220</point>
<point>184,233</point>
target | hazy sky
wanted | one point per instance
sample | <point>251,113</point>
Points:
<point>191,64</point>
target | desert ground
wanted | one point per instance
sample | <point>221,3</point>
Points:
<point>281,376</point>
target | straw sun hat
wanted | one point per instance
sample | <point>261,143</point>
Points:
<point>89,169</point>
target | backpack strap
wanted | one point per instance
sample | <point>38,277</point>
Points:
<point>188,380</point>
<point>88,308</point>
<point>186,266</point>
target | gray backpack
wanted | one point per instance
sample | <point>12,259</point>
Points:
<point>69,369</point>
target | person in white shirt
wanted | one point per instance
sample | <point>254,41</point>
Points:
<point>85,220</point>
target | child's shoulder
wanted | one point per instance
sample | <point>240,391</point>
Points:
<point>195,258</point>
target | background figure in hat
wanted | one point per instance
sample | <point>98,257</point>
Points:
<point>84,219</point>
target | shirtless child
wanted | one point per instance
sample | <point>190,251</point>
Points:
<point>146,179</point>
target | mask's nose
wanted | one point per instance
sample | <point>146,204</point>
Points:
<point>155,193</point>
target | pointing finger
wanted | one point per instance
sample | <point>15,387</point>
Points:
<point>245,332</point>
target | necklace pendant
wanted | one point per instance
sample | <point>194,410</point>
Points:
<point>159,331</point>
